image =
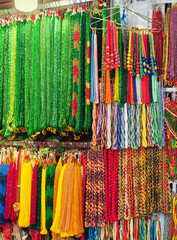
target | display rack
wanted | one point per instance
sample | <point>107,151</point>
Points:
<point>35,144</point>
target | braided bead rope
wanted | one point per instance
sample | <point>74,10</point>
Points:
<point>101,189</point>
<point>120,187</point>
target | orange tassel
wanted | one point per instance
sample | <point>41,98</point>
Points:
<point>108,87</point>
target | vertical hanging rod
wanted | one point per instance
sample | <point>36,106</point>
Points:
<point>62,4</point>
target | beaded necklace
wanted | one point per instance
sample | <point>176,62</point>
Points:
<point>149,143</point>
<point>171,67</point>
<point>108,62</point>
<point>43,122</point>
<point>35,110</point>
<point>143,119</point>
<point>137,125</point>
<point>6,75</point>
<point>87,118</point>
<point>2,61</point>
<point>140,57</point>
<point>33,196</point>
<point>65,77</point>
<point>57,72</point>
<point>18,73</point>
<point>32,83</point>
<point>170,120</point>
<point>124,71</point>
<point>49,77</point>
<point>76,62</point>
<point>173,227</point>
<point>10,119</point>
<point>129,68</point>
<point>50,174</point>
<point>80,110</point>
<point>144,86</point>
<point>115,125</point>
<point>37,225</point>
<point>52,29</point>
<point>104,33</point>
<point>3,181</point>
<point>166,49</point>
<point>5,130</point>
<point>118,46</point>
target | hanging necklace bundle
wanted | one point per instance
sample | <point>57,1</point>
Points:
<point>130,176</point>
<point>37,171</point>
<point>57,72</point>
<point>171,128</point>
<point>140,70</point>
<point>65,77</point>
<point>138,228</point>
<point>44,49</point>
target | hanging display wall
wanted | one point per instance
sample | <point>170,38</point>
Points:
<point>128,104</point>
<point>115,189</point>
<point>74,73</point>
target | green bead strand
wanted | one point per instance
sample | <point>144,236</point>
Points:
<point>2,64</point>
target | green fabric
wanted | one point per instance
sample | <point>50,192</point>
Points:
<point>50,175</point>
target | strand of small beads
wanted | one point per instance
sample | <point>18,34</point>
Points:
<point>129,67</point>
<point>87,118</point>
<point>7,77</point>
<point>2,68</point>
<point>43,122</point>
<point>57,72</point>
